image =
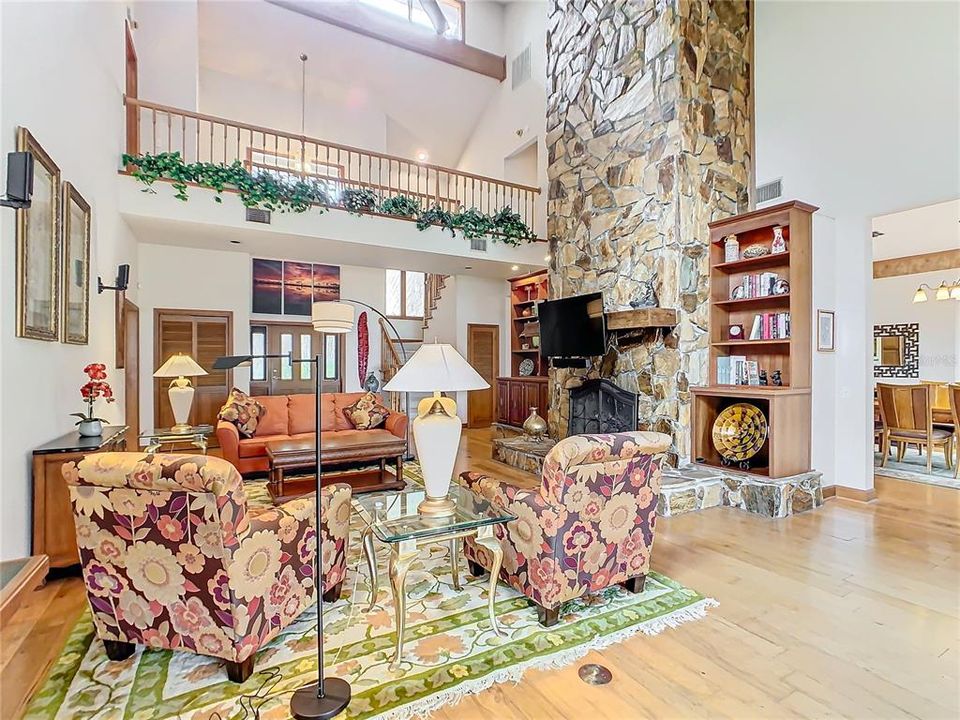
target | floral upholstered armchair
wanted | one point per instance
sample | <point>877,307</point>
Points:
<point>173,557</point>
<point>589,526</point>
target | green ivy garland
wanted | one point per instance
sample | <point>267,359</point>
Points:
<point>266,190</point>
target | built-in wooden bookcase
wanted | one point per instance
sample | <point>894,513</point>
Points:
<point>787,408</point>
<point>525,293</point>
<point>791,355</point>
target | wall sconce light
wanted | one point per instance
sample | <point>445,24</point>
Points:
<point>943,292</point>
<point>123,280</point>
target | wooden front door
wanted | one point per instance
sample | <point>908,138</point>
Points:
<point>483,353</point>
<point>205,335</point>
<point>279,376</point>
<point>131,370</point>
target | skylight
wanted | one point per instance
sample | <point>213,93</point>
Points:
<point>450,18</point>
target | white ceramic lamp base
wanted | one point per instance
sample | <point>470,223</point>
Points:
<point>181,399</point>
<point>436,432</point>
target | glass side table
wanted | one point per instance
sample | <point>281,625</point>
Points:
<point>196,436</point>
<point>391,517</point>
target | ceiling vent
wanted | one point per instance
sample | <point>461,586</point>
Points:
<point>479,244</point>
<point>521,68</point>
<point>258,215</point>
<point>769,191</point>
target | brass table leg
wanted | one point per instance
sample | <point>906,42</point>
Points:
<point>371,555</point>
<point>402,555</point>
<point>455,562</point>
<point>487,539</point>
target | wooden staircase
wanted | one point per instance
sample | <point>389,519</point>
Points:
<point>394,352</point>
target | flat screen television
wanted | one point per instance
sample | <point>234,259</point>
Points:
<point>567,329</point>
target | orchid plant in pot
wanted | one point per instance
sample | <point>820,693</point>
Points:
<point>96,387</point>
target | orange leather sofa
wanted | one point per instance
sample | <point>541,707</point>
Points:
<point>293,417</point>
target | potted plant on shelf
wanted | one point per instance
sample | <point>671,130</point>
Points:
<point>96,387</point>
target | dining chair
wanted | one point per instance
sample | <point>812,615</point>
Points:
<point>907,416</point>
<point>953,395</point>
<point>939,402</point>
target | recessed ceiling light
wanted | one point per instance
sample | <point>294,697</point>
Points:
<point>234,242</point>
<point>514,267</point>
<point>468,267</point>
<point>423,155</point>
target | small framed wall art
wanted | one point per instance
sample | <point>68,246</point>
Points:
<point>826,331</point>
<point>38,248</point>
<point>76,266</point>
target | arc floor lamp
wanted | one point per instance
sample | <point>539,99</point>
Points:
<point>328,696</point>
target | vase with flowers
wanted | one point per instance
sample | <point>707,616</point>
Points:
<point>95,388</point>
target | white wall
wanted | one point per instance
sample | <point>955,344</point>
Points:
<point>939,322</point>
<point>69,96</point>
<point>192,278</point>
<point>859,128</point>
<point>168,50</point>
<point>333,111</point>
<point>469,299</point>
<point>515,118</point>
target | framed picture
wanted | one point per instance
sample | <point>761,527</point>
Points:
<point>267,286</point>
<point>38,248</point>
<point>76,266</point>
<point>826,332</point>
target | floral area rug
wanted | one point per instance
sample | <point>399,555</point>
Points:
<point>450,650</point>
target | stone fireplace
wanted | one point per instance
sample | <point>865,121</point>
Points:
<point>599,406</point>
<point>648,136</point>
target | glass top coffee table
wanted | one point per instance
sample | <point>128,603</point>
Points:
<point>392,518</point>
<point>196,436</point>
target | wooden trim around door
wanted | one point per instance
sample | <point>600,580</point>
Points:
<point>131,370</point>
<point>158,360</point>
<point>496,369</point>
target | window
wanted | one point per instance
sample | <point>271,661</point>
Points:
<point>306,352</point>
<point>405,293</point>
<point>288,167</point>
<point>449,26</point>
<point>331,357</point>
<point>286,349</point>
<point>258,346</point>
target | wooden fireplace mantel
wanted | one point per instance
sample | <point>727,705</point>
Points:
<point>638,319</point>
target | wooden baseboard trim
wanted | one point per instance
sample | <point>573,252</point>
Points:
<point>854,494</point>
<point>829,492</point>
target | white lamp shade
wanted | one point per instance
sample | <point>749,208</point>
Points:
<point>436,367</point>
<point>332,317</point>
<point>179,365</point>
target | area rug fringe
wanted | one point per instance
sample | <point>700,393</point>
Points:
<point>426,706</point>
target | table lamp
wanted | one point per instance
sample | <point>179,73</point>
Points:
<point>436,429</point>
<point>180,367</point>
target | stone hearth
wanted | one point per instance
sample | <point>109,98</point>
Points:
<point>698,487</point>
<point>521,452</point>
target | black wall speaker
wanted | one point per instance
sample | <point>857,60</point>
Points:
<point>19,180</point>
<point>123,280</point>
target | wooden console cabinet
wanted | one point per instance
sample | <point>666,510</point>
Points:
<point>53,528</point>
<point>516,395</point>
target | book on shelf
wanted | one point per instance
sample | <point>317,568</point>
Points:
<point>758,285</point>
<point>770,326</point>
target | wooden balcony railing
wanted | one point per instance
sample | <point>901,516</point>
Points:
<point>153,129</point>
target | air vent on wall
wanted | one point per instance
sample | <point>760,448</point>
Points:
<point>770,191</point>
<point>520,69</point>
<point>478,244</point>
<point>258,216</point>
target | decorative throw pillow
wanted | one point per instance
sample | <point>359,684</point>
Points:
<point>366,413</point>
<point>243,411</point>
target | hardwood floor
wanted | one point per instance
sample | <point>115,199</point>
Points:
<point>847,611</point>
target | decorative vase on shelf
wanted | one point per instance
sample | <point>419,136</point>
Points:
<point>90,428</point>
<point>535,427</point>
<point>371,384</point>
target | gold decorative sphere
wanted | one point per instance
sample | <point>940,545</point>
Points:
<point>535,427</point>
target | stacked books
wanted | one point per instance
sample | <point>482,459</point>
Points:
<point>758,285</point>
<point>770,326</point>
<point>737,370</point>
